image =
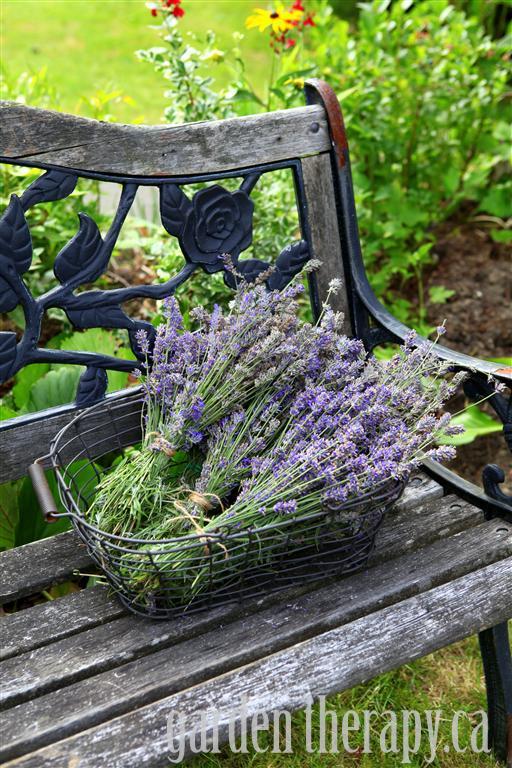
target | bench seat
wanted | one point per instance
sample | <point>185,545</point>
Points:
<point>86,684</point>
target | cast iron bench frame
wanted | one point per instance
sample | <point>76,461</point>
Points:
<point>86,683</point>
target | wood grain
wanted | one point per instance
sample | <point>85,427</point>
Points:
<point>42,564</point>
<point>69,710</point>
<point>325,237</point>
<point>289,679</point>
<point>25,438</point>
<point>116,642</point>
<point>38,136</point>
<point>57,619</point>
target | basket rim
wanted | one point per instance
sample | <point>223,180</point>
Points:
<point>392,489</point>
<point>134,394</point>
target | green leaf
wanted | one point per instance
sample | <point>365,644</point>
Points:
<point>25,379</point>
<point>506,361</point>
<point>7,413</point>
<point>57,387</point>
<point>438,294</point>
<point>497,201</point>
<point>476,423</point>
<point>94,339</point>
<point>8,514</point>
<point>31,526</point>
<point>117,380</point>
<point>501,235</point>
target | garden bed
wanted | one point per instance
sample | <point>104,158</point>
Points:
<point>478,317</point>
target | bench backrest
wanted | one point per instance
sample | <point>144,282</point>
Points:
<point>310,141</point>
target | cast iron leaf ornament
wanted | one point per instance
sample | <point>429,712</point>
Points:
<point>288,264</point>
<point>213,223</point>
<point>52,185</point>
<point>92,385</point>
<point>15,253</point>
<point>7,353</point>
<point>78,260</point>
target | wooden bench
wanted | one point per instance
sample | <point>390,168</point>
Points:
<point>84,684</point>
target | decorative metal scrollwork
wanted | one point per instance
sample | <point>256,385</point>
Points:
<point>476,387</point>
<point>211,225</point>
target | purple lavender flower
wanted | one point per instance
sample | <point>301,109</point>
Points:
<point>288,507</point>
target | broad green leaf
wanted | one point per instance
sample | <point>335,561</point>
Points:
<point>57,387</point>
<point>506,361</point>
<point>8,514</point>
<point>438,294</point>
<point>7,413</point>
<point>31,525</point>
<point>25,379</point>
<point>501,235</point>
<point>497,201</point>
<point>476,423</point>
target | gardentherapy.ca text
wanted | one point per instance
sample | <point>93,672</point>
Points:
<point>403,733</point>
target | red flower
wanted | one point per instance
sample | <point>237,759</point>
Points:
<point>154,12</point>
<point>172,2</point>
<point>297,6</point>
<point>178,12</point>
<point>290,43</point>
<point>308,22</point>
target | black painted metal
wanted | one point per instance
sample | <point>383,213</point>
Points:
<point>497,662</point>
<point>213,228</point>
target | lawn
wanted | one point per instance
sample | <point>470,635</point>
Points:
<point>88,45</point>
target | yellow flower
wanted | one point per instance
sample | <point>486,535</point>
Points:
<point>280,20</point>
<point>298,82</point>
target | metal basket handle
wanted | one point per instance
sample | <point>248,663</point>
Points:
<point>43,491</point>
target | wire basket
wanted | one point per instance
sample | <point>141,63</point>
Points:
<point>166,578</point>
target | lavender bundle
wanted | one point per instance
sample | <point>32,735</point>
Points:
<point>197,378</point>
<point>354,426</point>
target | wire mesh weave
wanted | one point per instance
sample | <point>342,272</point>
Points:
<point>168,577</point>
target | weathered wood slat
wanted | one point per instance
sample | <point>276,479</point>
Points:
<point>327,663</point>
<point>33,567</point>
<point>26,438</point>
<point>322,219</point>
<point>48,622</point>
<point>113,644</point>
<point>27,570</point>
<point>93,700</point>
<point>90,607</point>
<point>41,136</point>
<point>420,489</point>
<point>412,528</point>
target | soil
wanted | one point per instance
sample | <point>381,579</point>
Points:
<point>478,317</point>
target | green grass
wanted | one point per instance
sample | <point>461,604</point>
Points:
<point>450,680</point>
<point>88,45</point>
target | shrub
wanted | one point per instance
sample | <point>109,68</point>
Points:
<point>423,91</point>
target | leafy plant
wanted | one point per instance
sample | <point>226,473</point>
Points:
<point>476,423</point>
<point>423,89</point>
